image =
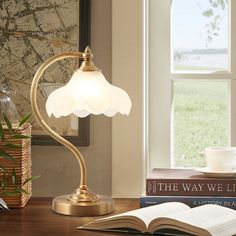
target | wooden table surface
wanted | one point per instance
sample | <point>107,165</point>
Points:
<point>37,219</point>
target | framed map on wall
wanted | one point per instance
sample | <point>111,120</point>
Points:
<point>32,31</point>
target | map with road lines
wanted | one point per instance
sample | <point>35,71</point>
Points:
<point>31,31</point>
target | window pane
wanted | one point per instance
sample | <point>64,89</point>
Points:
<point>199,35</point>
<point>200,120</point>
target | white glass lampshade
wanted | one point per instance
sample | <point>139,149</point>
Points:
<point>88,92</point>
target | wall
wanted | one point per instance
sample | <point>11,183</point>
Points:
<point>58,168</point>
<point>127,72</point>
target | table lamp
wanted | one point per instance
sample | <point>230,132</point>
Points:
<point>87,92</point>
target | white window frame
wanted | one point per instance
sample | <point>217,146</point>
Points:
<point>161,82</point>
<point>135,153</point>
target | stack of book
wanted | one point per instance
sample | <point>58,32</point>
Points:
<point>21,166</point>
<point>188,186</point>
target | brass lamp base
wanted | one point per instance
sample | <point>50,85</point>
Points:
<point>62,205</point>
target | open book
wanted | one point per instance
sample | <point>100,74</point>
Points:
<point>204,220</point>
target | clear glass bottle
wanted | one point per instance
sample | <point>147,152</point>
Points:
<point>8,107</point>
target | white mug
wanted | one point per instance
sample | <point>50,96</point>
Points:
<point>220,159</point>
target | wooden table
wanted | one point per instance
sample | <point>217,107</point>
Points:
<point>37,219</point>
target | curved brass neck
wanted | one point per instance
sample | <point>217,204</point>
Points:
<point>33,98</point>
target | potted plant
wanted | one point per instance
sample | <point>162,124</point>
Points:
<point>14,139</point>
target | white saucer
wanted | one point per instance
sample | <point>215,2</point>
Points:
<point>217,174</point>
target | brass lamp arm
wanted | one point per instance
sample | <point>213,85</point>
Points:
<point>38,117</point>
<point>82,202</point>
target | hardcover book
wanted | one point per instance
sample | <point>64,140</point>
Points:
<point>191,201</point>
<point>187,182</point>
<point>173,217</point>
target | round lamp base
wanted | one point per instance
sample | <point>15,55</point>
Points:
<point>62,205</point>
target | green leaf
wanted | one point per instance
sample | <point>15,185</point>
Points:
<point>13,177</point>
<point>23,191</point>
<point>19,190</point>
<point>8,123</point>
<point>223,4</point>
<point>1,132</point>
<point>20,136</point>
<point>24,119</point>
<point>217,17</point>
<point>2,168</point>
<point>11,145</point>
<point>11,193</point>
<point>30,179</point>
<point>208,13</point>
<point>4,181</point>
<point>209,38</point>
<point>6,156</point>
<point>215,5</point>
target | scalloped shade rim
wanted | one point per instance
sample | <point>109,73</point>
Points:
<point>88,92</point>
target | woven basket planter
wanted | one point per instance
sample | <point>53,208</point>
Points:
<point>22,166</point>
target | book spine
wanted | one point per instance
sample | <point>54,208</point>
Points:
<point>191,187</point>
<point>195,201</point>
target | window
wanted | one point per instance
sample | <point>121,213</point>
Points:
<point>191,88</point>
<point>199,36</point>
<point>200,116</point>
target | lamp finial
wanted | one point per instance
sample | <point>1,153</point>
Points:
<point>87,55</point>
<point>87,63</point>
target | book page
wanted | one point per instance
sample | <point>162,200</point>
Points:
<point>146,215</point>
<point>218,220</point>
